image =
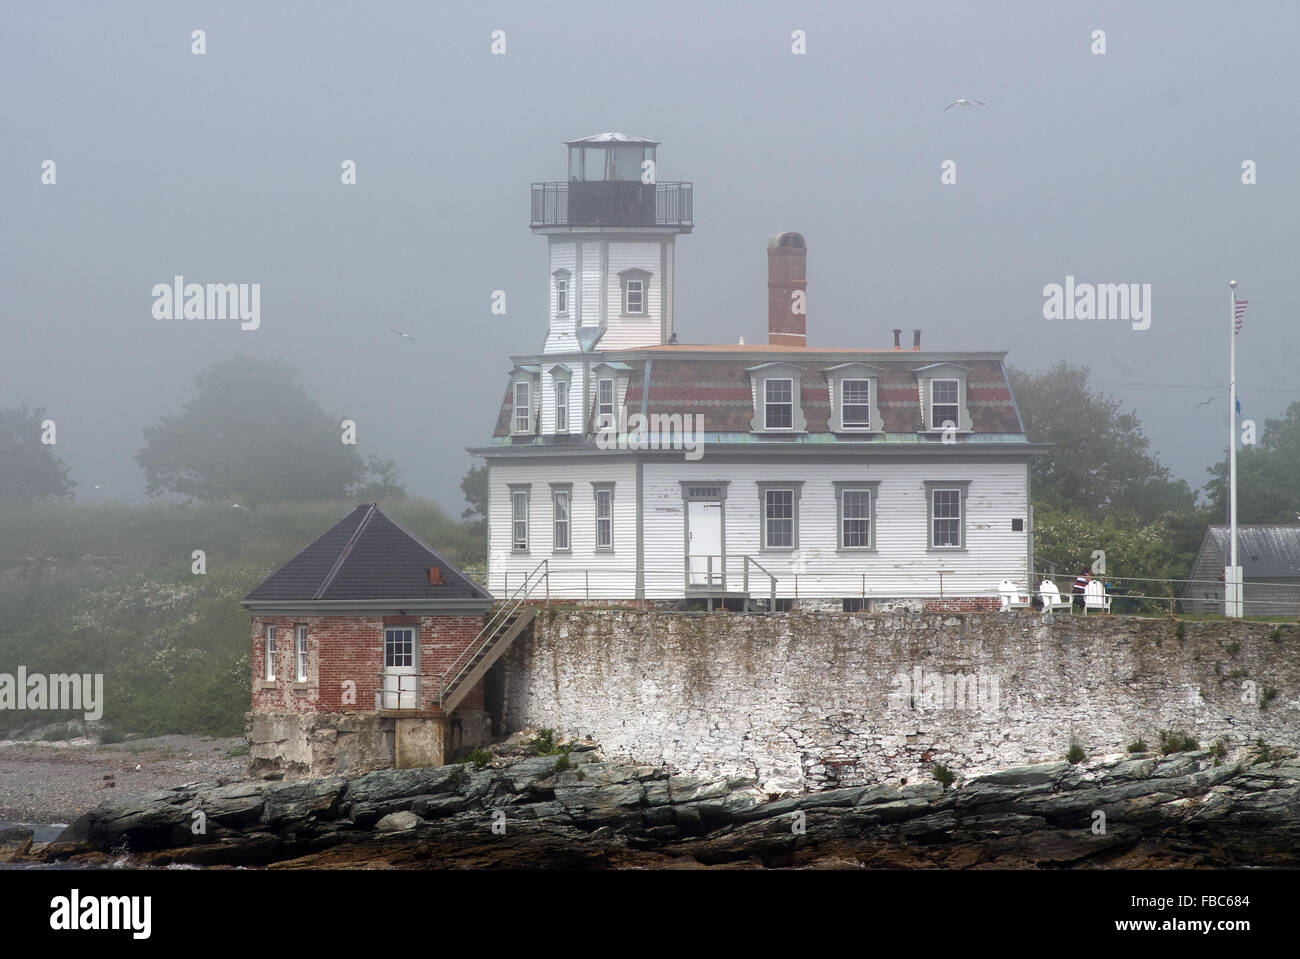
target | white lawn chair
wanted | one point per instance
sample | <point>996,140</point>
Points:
<point>1050,593</point>
<point>1011,596</point>
<point>1094,596</point>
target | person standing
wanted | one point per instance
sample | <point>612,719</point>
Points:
<point>1080,587</point>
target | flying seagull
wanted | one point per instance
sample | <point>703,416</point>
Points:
<point>963,102</point>
<point>405,336</point>
<point>237,506</point>
<point>1206,403</point>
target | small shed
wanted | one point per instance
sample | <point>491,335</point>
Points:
<point>1270,563</point>
<point>368,652</point>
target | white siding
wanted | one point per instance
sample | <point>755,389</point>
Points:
<point>901,565</point>
<point>611,574</point>
<point>590,283</point>
<point>622,333</point>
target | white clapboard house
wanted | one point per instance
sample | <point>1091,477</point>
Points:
<point>628,466</point>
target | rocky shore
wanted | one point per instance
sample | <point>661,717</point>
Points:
<point>580,810</point>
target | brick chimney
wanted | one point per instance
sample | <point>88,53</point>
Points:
<point>786,273</point>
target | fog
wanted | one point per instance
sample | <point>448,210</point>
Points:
<point>1122,167</point>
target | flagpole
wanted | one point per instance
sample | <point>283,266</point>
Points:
<point>1234,604</point>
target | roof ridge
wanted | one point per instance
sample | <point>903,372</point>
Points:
<point>347,549</point>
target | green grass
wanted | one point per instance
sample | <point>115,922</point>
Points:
<point>1138,745</point>
<point>1076,754</point>
<point>109,589</point>
<point>1175,741</point>
<point>943,775</point>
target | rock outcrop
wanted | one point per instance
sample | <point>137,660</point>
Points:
<point>582,811</point>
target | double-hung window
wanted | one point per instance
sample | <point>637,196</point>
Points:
<point>855,519</point>
<point>560,500</point>
<point>605,405</point>
<point>561,295</point>
<point>778,404</point>
<point>855,404</point>
<point>519,520</point>
<point>634,298</point>
<point>604,516</point>
<point>944,403</point>
<point>270,654</point>
<point>561,406</point>
<point>947,508</point>
<point>300,653</point>
<point>779,503</point>
<point>523,408</point>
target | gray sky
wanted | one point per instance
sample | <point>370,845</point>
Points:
<point>1120,168</point>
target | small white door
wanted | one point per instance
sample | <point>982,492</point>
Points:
<point>401,685</point>
<point>704,531</point>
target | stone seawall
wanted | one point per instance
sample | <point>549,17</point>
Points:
<point>809,701</point>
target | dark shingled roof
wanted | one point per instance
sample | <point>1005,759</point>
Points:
<point>367,555</point>
<point>1263,551</point>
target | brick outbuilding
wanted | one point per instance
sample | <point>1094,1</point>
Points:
<point>368,650</point>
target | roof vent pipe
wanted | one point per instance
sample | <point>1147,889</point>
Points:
<point>916,339</point>
<point>897,334</point>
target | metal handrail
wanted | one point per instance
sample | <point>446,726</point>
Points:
<point>489,631</point>
<point>771,581</point>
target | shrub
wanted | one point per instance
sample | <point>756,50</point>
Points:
<point>1076,753</point>
<point>544,744</point>
<point>1218,750</point>
<point>1138,745</point>
<point>1234,648</point>
<point>943,775</point>
<point>1181,630</point>
<point>1267,697</point>
<point>479,757</point>
<point>1175,741</point>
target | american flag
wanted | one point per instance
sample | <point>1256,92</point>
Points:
<point>1240,311</point>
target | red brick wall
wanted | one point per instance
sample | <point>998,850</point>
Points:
<point>350,649</point>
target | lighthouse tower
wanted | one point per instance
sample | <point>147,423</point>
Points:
<point>611,228</point>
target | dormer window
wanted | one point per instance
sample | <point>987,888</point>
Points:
<point>851,389</point>
<point>944,403</point>
<point>635,284</point>
<point>778,404</point>
<point>605,419</point>
<point>523,408</point>
<point>941,389</point>
<point>561,406</point>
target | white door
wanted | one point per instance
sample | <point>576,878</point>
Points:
<point>704,530</point>
<point>401,685</point>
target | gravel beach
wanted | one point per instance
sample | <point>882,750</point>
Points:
<point>55,782</point>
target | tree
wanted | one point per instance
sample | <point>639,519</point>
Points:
<point>253,435</point>
<point>29,470</point>
<point>474,485</point>
<point>1268,475</point>
<point>1099,461</point>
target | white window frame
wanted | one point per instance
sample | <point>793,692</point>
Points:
<point>526,425</point>
<point>561,406</point>
<point>769,403</point>
<point>300,652</point>
<point>519,494</point>
<point>562,518</point>
<point>765,489</point>
<point>961,488</point>
<point>628,292</point>
<point>842,490</point>
<point>601,412</point>
<point>561,296</point>
<point>269,635</point>
<point>937,421</point>
<point>844,419</point>
<point>604,491</point>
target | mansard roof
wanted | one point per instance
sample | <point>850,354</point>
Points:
<point>717,383</point>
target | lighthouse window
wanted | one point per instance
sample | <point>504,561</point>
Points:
<point>635,297</point>
<point>561,296</point>
<point>627,162</point>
